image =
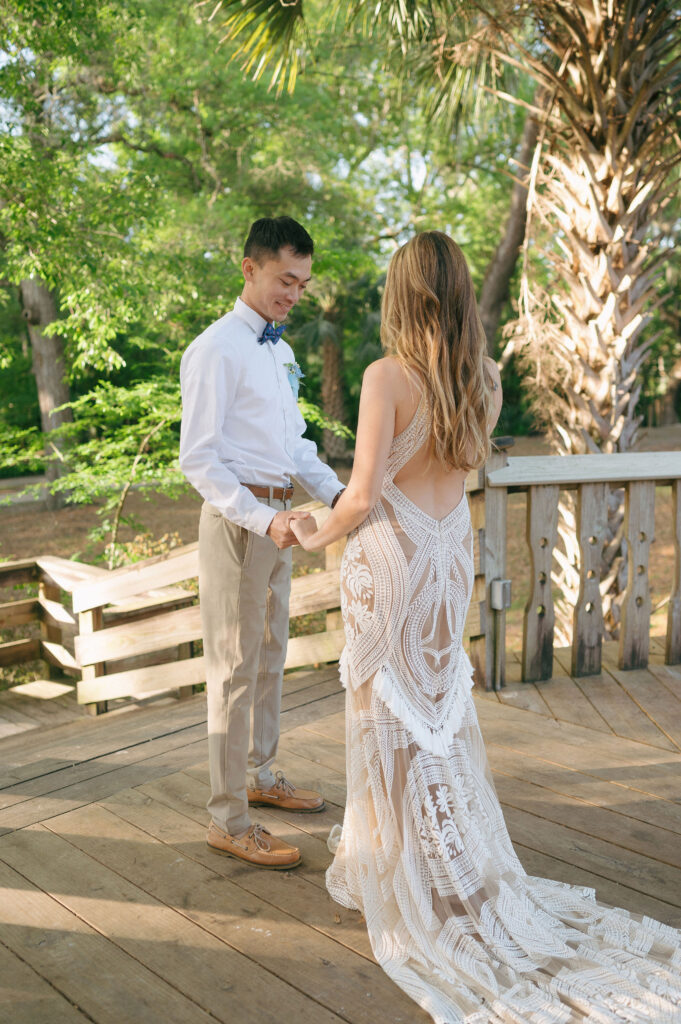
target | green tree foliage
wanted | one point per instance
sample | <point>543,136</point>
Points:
<point>134,156</point>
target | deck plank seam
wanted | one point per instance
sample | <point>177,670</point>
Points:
<point>508,802</point>
<point>178,910</point>
<point>591,803</point>
<point>580,771</point>
<point>98,931</point>
<point>633,699</point>
<point>637,888</point>
<point>109,753</point>
<point>232,881</point>
<point>577,680</point>
<point>98,775</point>
<point>55,988</point>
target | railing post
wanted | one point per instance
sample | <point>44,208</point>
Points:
<point>539,618</point>
<point>587,622</point>
<point>475,629</point>
<point>639,527</point>
<point>672,654</point>
<point>90,622</point>
<point>185,651</point>
<point>493,644</point>
<point>49,630</point>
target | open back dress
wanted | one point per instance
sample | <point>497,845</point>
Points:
<point>424,853</point>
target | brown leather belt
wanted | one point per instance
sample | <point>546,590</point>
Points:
<point>278,493</point>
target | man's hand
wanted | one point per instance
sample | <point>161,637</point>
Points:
<point>280,531</point>
<point>304,529</point>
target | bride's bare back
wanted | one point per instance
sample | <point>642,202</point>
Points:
<point>424,480</point>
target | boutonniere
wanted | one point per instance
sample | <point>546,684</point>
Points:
<point>295,375</point>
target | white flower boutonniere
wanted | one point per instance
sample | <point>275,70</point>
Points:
<point>295,375</point>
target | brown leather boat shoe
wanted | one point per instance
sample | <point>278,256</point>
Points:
<point>257,847</point>
<point>284,794</point>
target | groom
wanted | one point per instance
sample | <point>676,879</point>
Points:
<point>241,446</point>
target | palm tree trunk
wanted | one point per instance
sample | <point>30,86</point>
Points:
<point>40,309</point>
<point>496,285</point>
<point>602,179</point>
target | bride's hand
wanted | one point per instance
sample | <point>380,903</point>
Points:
<point>304,529</point>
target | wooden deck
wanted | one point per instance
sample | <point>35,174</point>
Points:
<point>114,911</point>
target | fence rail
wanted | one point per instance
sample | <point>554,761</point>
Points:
<point>133,631</point>
<point>590,476</point>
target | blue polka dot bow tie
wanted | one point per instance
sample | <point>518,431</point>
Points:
<point>272,334</point>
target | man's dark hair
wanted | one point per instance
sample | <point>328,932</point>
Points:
<point>270,234</point>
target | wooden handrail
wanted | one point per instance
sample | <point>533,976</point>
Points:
<point>158,571</point>
<point>523,471</point>
<point>23,571</point>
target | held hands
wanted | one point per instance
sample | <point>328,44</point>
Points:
<point>280,529</point>
<point>304,529</point>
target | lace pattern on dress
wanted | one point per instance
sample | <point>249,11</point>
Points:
<point>424,851</point>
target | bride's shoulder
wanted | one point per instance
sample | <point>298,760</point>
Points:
<point>389,373</point>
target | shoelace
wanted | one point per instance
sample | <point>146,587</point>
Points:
<point>283,783</point>
<point>258,835</point>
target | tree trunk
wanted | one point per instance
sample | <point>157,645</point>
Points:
<point>39,310</point>
<point>496,286</point>
<point>333,402</point>
<point>669,402</point>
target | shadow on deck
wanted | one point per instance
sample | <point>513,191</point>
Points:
<point>114,910</point>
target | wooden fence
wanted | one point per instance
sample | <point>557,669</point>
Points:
<point>590,477</point>
<point>132,632</point>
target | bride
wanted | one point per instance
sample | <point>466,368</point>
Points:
<point>424,853</point>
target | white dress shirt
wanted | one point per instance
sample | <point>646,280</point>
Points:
<point>241,423</point>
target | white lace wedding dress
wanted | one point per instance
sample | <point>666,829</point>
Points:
<point>424,853</point>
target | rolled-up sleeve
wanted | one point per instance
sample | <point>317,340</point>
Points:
<point>208,388</point>
<point>317,478</point>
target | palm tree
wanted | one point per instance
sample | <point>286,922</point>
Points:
<point>603,175</point>
<point>604,167</point>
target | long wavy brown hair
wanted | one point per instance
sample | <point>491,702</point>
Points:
<point>430,323</point>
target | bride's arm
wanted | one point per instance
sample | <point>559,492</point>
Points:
<point>375,430</point>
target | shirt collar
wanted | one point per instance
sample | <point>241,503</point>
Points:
<point>250,317</point>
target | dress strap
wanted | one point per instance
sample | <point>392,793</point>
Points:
<point>408,441</point>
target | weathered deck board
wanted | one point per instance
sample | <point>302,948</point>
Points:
<point>652,697</point>
<point>567,702</point>
<point>57,944</point>
<point>612,701</point>
<point>669,676</point>
<point>103,858</point>
<point>27,998</point>
<point>205,889</point>
<point>191,935</point>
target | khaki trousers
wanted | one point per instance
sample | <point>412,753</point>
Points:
<point>244,583</point>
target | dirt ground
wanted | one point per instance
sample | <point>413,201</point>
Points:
<point>30,529</point>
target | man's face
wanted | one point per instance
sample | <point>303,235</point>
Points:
<point>273,287</point>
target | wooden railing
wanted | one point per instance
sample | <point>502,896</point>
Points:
<point>132,632</point>
<point>57,580</point>
<point>590,477</point>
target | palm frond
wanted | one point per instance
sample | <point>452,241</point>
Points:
<point>457,66</point>
<point>268,33</point>
<point>407,21</point>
